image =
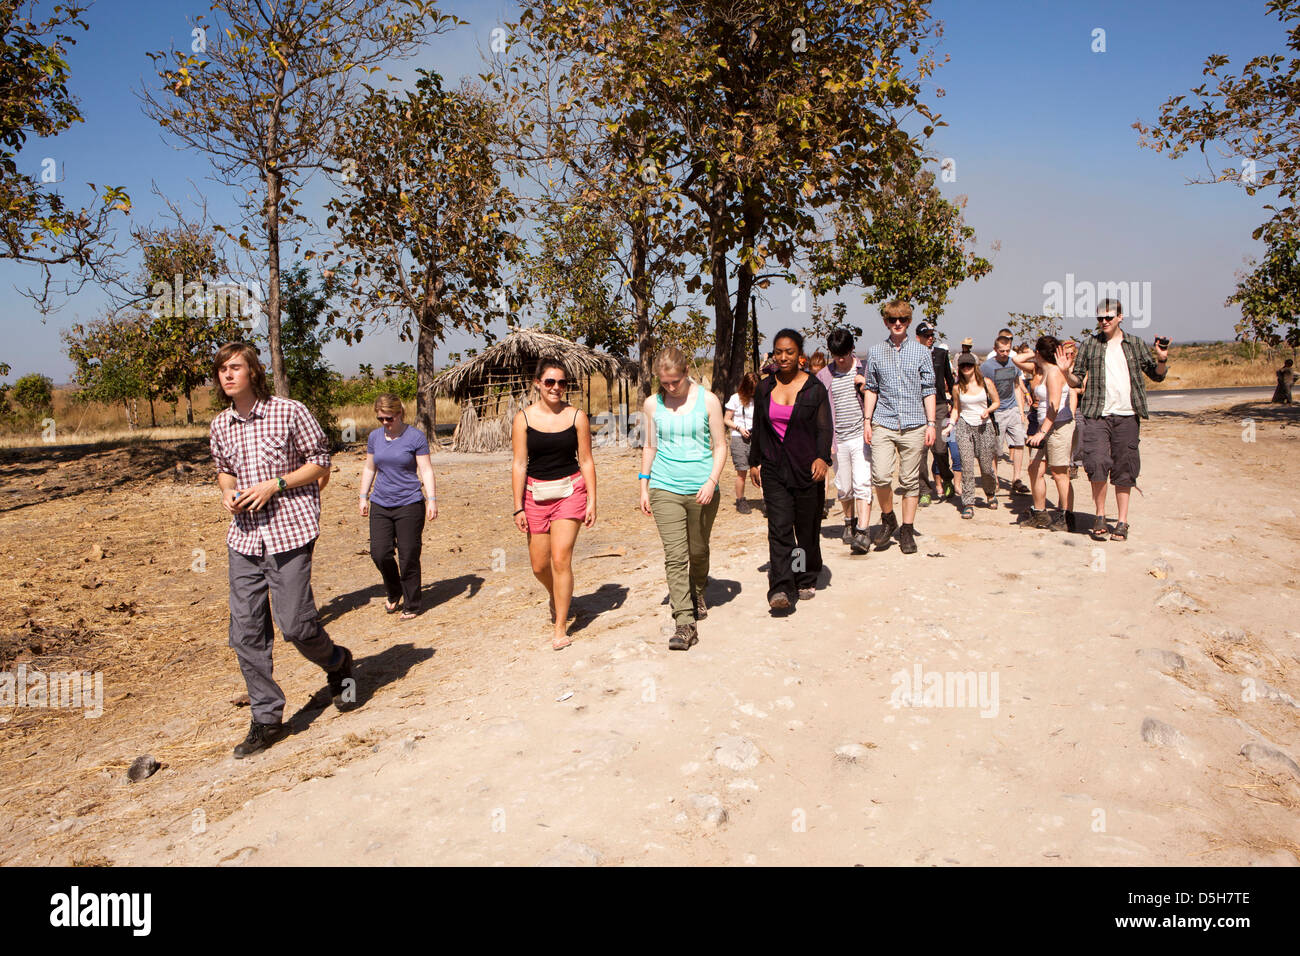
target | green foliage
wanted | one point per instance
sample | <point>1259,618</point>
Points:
<point>914,246</point>
<point>823,325</point>
<point>35,225</point>
<point>1028,328</point>
<point>311,380</point>
<point>1269,296</point>
<point>423,222</point>
<point>266,97</point>
<point>1250,116</point>
<point>34,393</point>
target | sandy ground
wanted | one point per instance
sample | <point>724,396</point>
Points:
<point>1140,698</point>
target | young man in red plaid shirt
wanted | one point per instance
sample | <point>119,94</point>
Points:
<point>269,453</point>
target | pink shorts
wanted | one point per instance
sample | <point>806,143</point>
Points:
<point>540,515</point>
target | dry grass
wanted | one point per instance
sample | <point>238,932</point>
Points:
<point>1221,365</point>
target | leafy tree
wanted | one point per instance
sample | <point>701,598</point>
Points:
<point>264,93</point>
<point>913,245</point>
<point>192,313</point>
<point>1029,328</point>
<point>311,379</point>
<point>781,111</point>
<point>36,226</point>
<point>113,361</point>
<point>1251,117</point>
<point>424,221</point>
<point>1269,296</point>
<point>34,396</point>
<point>609,167</point>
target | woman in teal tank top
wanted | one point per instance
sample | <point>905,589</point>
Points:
<point>684,453</point>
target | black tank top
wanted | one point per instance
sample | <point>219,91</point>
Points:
<point>552,455</point>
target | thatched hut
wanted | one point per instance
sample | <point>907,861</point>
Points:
<point>492,386</point>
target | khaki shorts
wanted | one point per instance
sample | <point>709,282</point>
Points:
<point>1058,448</point>
<point>890,449</point>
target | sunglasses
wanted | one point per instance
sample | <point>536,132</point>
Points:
<point>555,383</point>
<point>897,321</point>
<point>1108,318</point>
<point>385,419</point>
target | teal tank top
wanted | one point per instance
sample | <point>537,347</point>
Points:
<point>684,450</point>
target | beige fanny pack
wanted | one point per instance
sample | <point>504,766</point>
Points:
<point>551,490</point>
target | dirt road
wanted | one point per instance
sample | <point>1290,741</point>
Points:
<point>1078,703</point>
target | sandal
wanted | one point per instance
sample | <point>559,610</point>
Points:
<point>556,646</point>
<point>992,503</point>
<point>408,615</point>
<point>392,608</point>
<point>1098,532</point>
<point>1019,488</point>
<point>1121,531</point>
<point>967,511</point>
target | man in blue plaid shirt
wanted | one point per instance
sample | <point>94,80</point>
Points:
<point>899,413</point>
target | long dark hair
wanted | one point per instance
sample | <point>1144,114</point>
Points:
<point>256,373</point>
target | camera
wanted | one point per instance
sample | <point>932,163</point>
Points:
<point>1162,341</point>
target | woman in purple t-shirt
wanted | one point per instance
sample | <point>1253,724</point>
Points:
<point>401,500</point>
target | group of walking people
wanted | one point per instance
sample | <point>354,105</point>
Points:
<point>898,417</point>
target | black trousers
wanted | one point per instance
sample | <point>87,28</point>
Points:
<point>794,518</point>
<point>398,529</point>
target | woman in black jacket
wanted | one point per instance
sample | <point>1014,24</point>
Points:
<point>788,456</point>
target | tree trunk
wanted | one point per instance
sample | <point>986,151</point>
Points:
<point>641,299</point>
<point>424,373</point>
<point>722,316</point>
<point>189,406</point>
<point>153,415</point>
<point>278,374</point>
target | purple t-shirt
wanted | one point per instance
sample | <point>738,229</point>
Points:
<point>397,483</point>
<point>780,415</point>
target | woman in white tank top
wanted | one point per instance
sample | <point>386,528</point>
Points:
<point>1053,439</point>
<point>974,399</point>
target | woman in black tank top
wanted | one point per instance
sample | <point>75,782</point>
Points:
<point>554,487</point>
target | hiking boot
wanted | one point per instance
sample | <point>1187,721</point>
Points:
<point>743,507</point>
<point>683,637</point>
<point>343,687</point>
<point>1018,487</point>
<point>848,535</point>
<point>1038,519</point>
<point>1058,522</point>
<point>780,601</point>
<point>701,609</point>
<point>906,543</point>
<point>807,594</point>
<point>260,736</point>
<point>860,543</point>
<point>948,491</point>
<point>925,498</point>
<point>888,525</point>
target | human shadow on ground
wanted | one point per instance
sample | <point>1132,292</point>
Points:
<point>371,673</point>
<point>443,591</point>
<point>341,604</point>
<point>587,607</point>
<point>430,597</point>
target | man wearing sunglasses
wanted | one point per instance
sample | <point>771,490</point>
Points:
<point>1109,368</point>
<point>899,412</point>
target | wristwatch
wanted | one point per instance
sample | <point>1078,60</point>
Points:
<point>280,482</point>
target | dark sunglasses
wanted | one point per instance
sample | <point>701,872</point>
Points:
<point>897,321</point>
<point>555,383</point>
<point>386,418</point>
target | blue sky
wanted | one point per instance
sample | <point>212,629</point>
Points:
<point>1040,131</point>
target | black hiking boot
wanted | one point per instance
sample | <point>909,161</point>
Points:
<point>888,525</point>
<point>343,686</point>
<point>260,736</point>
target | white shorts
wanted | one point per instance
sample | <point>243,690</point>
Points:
<point>853,470</point>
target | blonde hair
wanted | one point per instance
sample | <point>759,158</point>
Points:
<point>671,359</point>
<point>897,309</point>
<point>389,404</point>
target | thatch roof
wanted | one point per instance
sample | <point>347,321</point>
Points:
<point>512,362</point>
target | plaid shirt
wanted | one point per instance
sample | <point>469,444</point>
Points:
<point>901,378</point>
<point>278,436</point>
<point>1091,361</point>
